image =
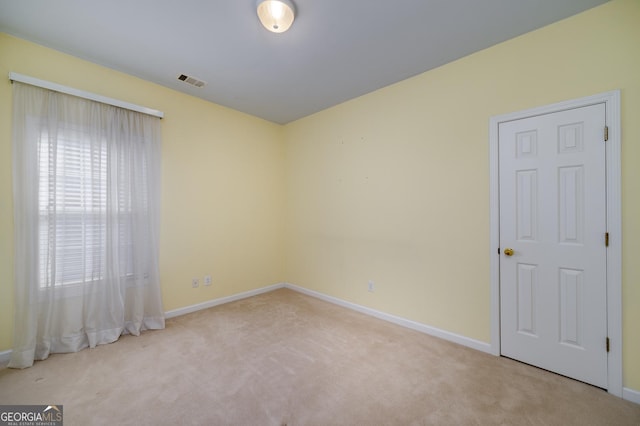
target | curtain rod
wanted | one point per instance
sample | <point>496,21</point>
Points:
<point>82,94</point>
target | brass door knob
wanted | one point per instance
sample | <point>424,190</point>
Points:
<point>508,252</point>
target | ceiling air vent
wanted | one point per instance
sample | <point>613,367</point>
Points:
<point>191,80</point>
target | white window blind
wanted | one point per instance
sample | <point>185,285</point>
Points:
<point>74,212</point>
<point>72,199</point>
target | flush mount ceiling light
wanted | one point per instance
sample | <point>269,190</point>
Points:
<point>276,15</point>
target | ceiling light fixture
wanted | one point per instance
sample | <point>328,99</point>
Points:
<point>276,15</point>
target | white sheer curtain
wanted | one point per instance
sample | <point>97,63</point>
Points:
<point>86,189</point>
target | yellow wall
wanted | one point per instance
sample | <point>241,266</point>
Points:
<point>394,186</point>
<point>222,182</point>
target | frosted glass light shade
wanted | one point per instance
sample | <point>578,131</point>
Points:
<point>276,15</point>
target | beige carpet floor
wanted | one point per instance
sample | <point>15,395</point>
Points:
<point>286,358</point>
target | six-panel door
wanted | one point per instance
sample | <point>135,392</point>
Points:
<point>553,215</point>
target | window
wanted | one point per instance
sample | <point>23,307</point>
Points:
<point>86,181</point>
<point>72,203</point>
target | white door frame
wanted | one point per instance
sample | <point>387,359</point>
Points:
<point>614,224</point>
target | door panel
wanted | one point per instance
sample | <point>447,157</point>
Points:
<point>553,215</point>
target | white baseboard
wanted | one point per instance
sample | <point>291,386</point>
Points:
<point>221,301</point>
<point>452,337</point>
<point>631,395</point>
<point>627,393</point>
<point>423,328</point>
<point>5,356</point>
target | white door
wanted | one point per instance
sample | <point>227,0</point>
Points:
<point>553,289</point>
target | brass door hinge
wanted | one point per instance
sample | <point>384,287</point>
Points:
<point>606,239</point>
<point>607,344</point>
<point>606,133</point>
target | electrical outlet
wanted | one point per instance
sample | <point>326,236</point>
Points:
<point>207,280</point>
<point>371,286</point>
<point>195,282</point>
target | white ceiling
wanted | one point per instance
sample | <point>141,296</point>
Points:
<point>335,50</point>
